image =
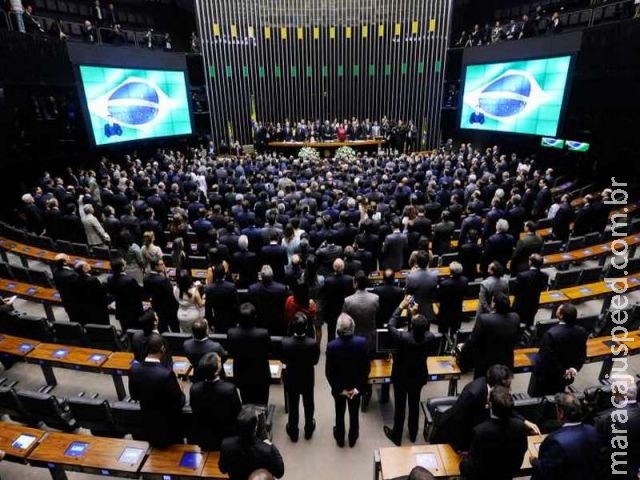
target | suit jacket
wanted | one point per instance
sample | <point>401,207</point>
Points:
<point>497,247</point>
<point>161,400</point>
<point>488,289</point>
<point>450,295</point>
<point>249,348</point>
<point>221,305</point>
<point>492,341</point>
<point>395,251</point>
<point>604,426</point>
<point>472,222</point>
<point>526,246</point>
<point>90,301</point>
<point>347,364</point>
<point>215,405</point>
<point>497,449</point>
<point>196,349</point>
<point>65,279</point>
<point>159,289</point>
<point>269,300</point>
<point>422,285</point>
<point>410,359</point>
<point>469,256</point>
<point>139,342</point>
<point>527,288</point>
<point>335,289</point>
<point>363,306</point>
<point>128,296</point>
<point>301,355</point>
<point>389,297</point>
<point>441,240</point>
<point>245,264</point>
<point>240,459</point>
<point>326,255</point>
<point>561,223</point>
<point>562,347</point>
<point>276,257</point>
<point>570,453</point>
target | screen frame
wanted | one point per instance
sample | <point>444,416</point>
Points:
<point>84,104</point>
<point>85,447</point>
<point>495,61</point>
<point>31,439</point>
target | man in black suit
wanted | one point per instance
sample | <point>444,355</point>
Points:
<point>529,244</point>
<point>561,223</point>
<point>470,255</point>
<point>161,399</point>
<point>245,453</point>
<point>221,302</point>
<point>249,346</point>
<point>336,288</point>
<point>471,222</point>
<point>90,304</point>
<point>215,403</point>
<point>450,295</point>
<point>158,288</point>
<point>409,373</point>
<point>269,297</point>
<point>493,338</point>
<point>327,253</point>
<point>584,220</point>
<point>195,348</point>
<point>563,351</point>
<point>347,370</point>
<point>390,295</point>
<point>64,278</point>
<point>395,248</point>
<point>542,200</point>
<point>300,354</point>
<point>572,451</point>
<point>442,233</point>
<point>498,246</point>
<point>527,288</point>
<point>244,262</point>
<point>498,444</point>
<point>127,294</point>
<point>275,255</point>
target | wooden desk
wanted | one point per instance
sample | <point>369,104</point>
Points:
<point>557,258</point>
<point>380,371</point>
<point>534,442</point>
<point>163,464</point>
<point>101,457</point>
<point>9,432</point>
<point>211,468</point>
<point>403,274</point>
<point>445,368</point>
<point>275,366</point>
<point>16,346</point>
<point>49,355</point>
<point>598,289</point>
<point>35,293</point>
<point>397,462</point>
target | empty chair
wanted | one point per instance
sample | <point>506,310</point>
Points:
<point>531,409</point>
<point>47,408</point>
<point>34,328</point>
<point>70,333</point>
<point>94,414</point>
<point>592,238</point>
<point>544,223</point>
<point>105,337</point>
<point>473,290</point>
<point>551,247</point>
<point>103,253</point>
<point>588,322</point>
<point>5,271</point>
<point>176,341</point>
<point>10,405</point>
<point>438,344</point>
<point>447,258</point>
<point>64,246</point>
<point>81,249</point>
<point>21,274</point>
<point>127,418</point>
<point>40,278</point>
<point>433,409</point>
<point>542,327</point>
<point>276,347</point>
<point>7,322</point>
<point>567,279</point>
<point>574,243</point>
<point>198,262</point>
<point>463,335</point>
<point>590,275</point>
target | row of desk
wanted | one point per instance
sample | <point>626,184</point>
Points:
<point>104,456</point>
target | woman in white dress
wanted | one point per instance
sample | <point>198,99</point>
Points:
<point>190,303</point>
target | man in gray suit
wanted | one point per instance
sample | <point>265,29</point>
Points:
<point>363,306</point>
<point>96,235</point>
<point>395,248</point>
<point>422,284</point>
<point>529,244</point>
<point>490,286</point>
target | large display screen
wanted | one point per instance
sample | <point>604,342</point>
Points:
<point>524,96</point>
<point>130,104</point>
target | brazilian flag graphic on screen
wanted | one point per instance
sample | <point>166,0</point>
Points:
<point>131,104</point>
<point>521,96</point>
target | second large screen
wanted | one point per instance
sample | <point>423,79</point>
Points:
<point>521,97</point>
<point>130,104</point>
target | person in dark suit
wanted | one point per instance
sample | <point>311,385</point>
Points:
<point>561,223</point>
<point>498,246</point>
<point>244,262</point>
<point>336,288</point>
<point>422,284</point>
<point>470,255</point>
<point>327,253</point>
<point>571,452</point>
<point>542,200</point>
<point>249,346</point>
<point>90,304</point>
<point>148,322</point>
<point>269,297</point>
<point>300,354</point>
<point>442,233</point>
<point>221,302</point>
<point>161,399</point>
<point>563,351</point>
<point>159,289</point>
<point>498,444</point>
<point>527,288</point>
<point>127,294</point>
<point>455,426</point>
<point>347,370</point>
<point>215,403</point>
<point>395,248</point>
<point>409,373</point>
<point>245,453</point>
<point>515,216</point>
<point>493,338</point>
<point>195,348</point>
<point>65,278</point>
<point>491,286</point>
<point>471,222</point>
<point>275,255</point>
<point>584,218</point>
<point>529,244</point>
<point>389,296</point>
<point>450,295</point>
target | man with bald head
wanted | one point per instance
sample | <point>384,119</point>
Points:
<point>64,278</point>
<point>336,288</point>
<point>261,474</point>
<point>90,297</point>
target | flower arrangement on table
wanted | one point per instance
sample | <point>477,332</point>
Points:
<point>345,154</point>
<point>308,153</point>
